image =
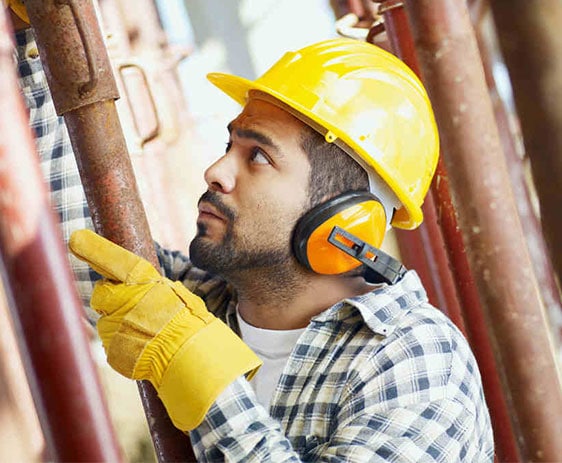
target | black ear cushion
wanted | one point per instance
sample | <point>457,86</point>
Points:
<point>316,216</point>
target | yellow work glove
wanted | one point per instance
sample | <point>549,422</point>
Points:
<point>19,9</point>
<point>155,329</point>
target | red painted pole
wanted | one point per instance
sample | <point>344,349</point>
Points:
<point>44,303</point>
<point>430,243</point>
<point>452,70</point>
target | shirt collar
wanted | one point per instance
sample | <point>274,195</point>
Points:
<point>381,308</point>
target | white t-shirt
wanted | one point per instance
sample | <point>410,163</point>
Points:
<point>273,347</point>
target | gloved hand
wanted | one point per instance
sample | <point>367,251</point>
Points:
<point>19,9</point>
<point>158,330</point>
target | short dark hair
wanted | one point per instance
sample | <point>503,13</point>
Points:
<point>332,170</point>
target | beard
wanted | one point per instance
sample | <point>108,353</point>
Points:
<point>233,254</point>
<point>226,258</point>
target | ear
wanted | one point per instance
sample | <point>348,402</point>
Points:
<point>357,212</point>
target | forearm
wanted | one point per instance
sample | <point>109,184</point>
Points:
<point>238,429</point>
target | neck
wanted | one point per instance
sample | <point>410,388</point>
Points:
<point>278,303</point>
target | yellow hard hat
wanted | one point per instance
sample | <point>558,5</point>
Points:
<point>368,102</point>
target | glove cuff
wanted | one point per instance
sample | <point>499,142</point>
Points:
<point>157,355</point>
<point>209,361</point>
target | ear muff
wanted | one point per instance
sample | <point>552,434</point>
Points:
<point>357,212</point>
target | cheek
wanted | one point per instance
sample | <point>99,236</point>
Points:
<point>269,218</point>
<point>271,207</point>
<point>285,212</point>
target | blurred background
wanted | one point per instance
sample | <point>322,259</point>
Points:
<point>493,72</point>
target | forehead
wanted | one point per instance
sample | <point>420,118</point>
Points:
<point>265,117</point>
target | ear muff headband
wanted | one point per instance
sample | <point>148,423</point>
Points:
<point>358,212</point>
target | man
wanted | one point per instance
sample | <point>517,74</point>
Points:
<point>335,144</point>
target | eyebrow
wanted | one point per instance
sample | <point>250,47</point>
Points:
<point>252,134</point>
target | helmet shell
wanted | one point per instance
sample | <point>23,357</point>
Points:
<point>365,97</point>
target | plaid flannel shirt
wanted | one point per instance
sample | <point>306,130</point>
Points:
<point>379,377</point>
<point>56,158</point>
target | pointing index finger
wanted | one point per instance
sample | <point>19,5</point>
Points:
<point>109,259</point>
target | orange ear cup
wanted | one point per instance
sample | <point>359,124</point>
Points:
<point>358,213</point>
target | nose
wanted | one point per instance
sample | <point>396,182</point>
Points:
<point>221,175</point>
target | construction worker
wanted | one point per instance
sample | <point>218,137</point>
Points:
<point>288,335</point>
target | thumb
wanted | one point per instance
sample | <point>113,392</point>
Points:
<point>109,259</point>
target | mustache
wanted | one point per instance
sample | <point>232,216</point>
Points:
<point>215,200</point>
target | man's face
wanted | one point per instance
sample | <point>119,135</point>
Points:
<point>256,193</point>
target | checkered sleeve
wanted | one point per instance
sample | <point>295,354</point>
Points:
<point>239,429</point>
<point>56,159</point>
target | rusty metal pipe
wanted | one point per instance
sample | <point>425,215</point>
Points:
<point>517,159</point>
<point>529,37</point>
<point>108,178</point>
<point>71,49</point>
<point>400,37</point>
<point>117,213</point>
<point>45,305</point>
<point>16,383</point>
<point>453,74</point>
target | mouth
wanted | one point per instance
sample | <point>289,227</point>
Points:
<point>206,211</point>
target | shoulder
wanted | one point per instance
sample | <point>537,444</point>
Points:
<point>412,351</point>
<point>407,370</point>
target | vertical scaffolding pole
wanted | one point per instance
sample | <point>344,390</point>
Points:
<point>44,302</point>
<point>400,37</point>
<point>530,40</point>
<point>80,78</point>
<point>452,70</point>
<point>517,159</point>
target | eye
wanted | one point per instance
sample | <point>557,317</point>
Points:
<point>258,156</point>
